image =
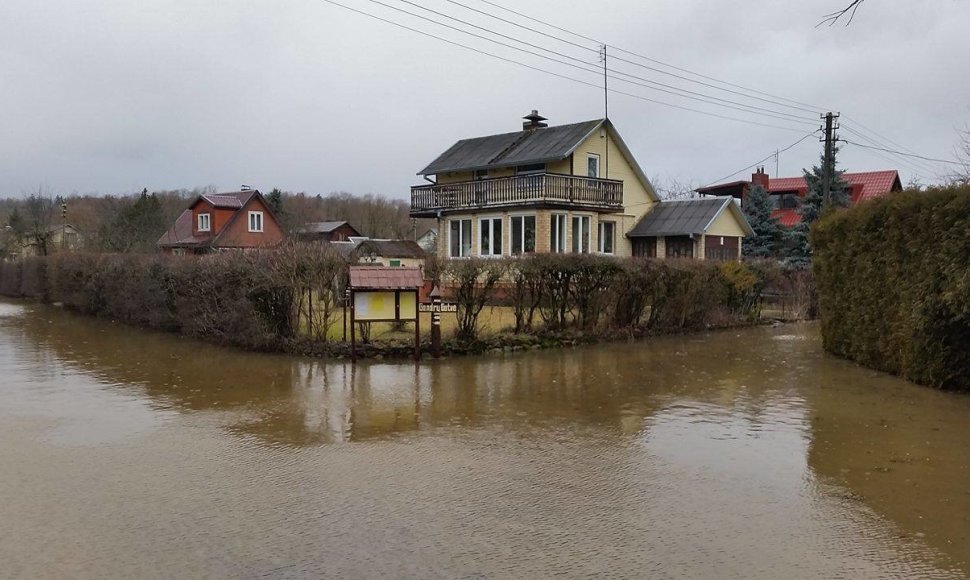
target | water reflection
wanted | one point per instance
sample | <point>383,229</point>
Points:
<point>731,454</point>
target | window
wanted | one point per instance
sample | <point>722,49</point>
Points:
<point>523,234</point>
<point>557,240</point>
<point>490,237</point>
<point>460,238</point>
<point>581,234</point>
<point>607,237</point>
<point>255,221</point>
<point>785,201</point>
<point>679,246</point>
<point>204,222</point>
<point>395,263</point>
<point>530,169</point>
<point>592,165</point>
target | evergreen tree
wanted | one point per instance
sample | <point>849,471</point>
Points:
<point>137,227</point>
<point>275,201</point>
<point>767,233</point>
<point>810,210</point>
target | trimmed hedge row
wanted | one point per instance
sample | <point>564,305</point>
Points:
<point>894,285</point>
<point>246,299</point>
<point>287,299</point>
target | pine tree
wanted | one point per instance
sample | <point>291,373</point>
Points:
<point>810,210</point>
<point>767,233</point>
<point>275,201</point>
<point>136,227</point>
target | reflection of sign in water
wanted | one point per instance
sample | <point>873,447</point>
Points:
<point>443,307</point>
<point>372,305</point>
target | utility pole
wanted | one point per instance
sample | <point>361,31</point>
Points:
<point>827,161</point>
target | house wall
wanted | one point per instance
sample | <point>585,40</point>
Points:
<point>726,224</point>
<point>237,234</point>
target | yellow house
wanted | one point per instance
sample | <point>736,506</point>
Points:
<point>567,189</point>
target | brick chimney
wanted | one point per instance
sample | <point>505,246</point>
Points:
<point>534,121</point>
<point>760,178</point>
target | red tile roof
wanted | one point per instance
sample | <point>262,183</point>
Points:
<point>182,233</point>
<point>786,217</point>
<point>865,184</point>
<point>378,277</point>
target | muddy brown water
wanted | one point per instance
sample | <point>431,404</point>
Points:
<point>741,454</point>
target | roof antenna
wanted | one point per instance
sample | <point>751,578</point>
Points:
<point>245,188</point>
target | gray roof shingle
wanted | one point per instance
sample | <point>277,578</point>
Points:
<point>510,149</point>
<point>683,217</point>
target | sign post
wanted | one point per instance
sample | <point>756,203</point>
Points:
<point>379,294</point>
<point>435,322</point>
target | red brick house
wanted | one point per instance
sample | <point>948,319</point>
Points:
<point>237,220</point>
<point>787,192</point>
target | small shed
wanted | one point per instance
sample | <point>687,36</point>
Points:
<point>379,294</point>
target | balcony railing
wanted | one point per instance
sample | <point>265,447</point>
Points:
<point>552,189</point>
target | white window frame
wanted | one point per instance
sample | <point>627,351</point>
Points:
<point>252,225</point>
<point>461,237</point>
<point>600,246</point>
<point>535,233</point>
<point>557,232</point>
<point>208,222</point>
<point>577,246</point>
<point>489,222</point>
<point>590,157</point>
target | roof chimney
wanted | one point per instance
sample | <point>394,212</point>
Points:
<point>760,178</point>
<point>534,121</point>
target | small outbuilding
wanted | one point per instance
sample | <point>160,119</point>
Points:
<point>703,229</point>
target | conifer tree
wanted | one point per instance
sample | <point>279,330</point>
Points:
<point>767,233</point>
<point>810,210</point>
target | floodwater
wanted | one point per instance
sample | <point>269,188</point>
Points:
<point>738,454</point>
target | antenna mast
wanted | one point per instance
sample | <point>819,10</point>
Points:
<point>606,90</point>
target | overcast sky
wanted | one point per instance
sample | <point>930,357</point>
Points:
<point>111,96</point>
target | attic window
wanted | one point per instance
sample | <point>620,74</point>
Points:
<point>530,169</point>
<point>255,221</point>
<point>204,223</point>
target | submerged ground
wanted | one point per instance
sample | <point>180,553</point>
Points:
<point>737,454</point>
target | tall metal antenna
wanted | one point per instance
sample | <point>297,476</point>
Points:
<point>606,90</point>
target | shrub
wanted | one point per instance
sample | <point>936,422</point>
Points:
<point>473,282</point>
<point>894,285</point>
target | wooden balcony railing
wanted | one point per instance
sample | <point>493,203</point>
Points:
<point>537,189</point>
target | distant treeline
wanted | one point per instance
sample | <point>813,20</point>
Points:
<point>133,223</point>
<point>894,285</point>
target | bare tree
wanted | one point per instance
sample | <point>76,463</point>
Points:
<point>848,13</point>
<point>961,175</point>
<point>38,217</point>
<point>670,188</point>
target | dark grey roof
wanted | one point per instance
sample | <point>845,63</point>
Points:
<point>319,227</point>
<point>684,217</point>
<point>511,149</point>
<point>391,249</point>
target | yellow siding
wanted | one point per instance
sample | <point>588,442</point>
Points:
<point>726,225</point>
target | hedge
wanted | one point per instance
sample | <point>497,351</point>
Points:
<point>894,285</point>
<point>288,299</point>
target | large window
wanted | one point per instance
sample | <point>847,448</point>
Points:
<point>607,237</point>
<point>581,234</point>
<point>255,221</point>
<point>460,238</point>
<point>204,222</point>
<point>557,231</point>
<point>592,165</point>
<point>490,237</point>
<point>785,201</point>
<point>679,247</point>
<point>523,234</point>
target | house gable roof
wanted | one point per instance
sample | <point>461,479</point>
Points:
<point>687,217</point>
<point>323,227</point>
<point>529,147</point>
<point>182,233</point>
<point>391,249</point>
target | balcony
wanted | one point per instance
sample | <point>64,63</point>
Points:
<point>537,190</point>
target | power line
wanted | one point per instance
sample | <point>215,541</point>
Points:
<point>808,107</point>
<point>756,163</point>
<point>693,95</point>
<point>947,161</point>
<point>917,166</point>
<point>877,139</point>
<point>552,73</point>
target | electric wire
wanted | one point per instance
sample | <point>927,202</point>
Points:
<point>668,89</point>
<point>935,159</point>
<point>556,74</point>
<point>755,164</point>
